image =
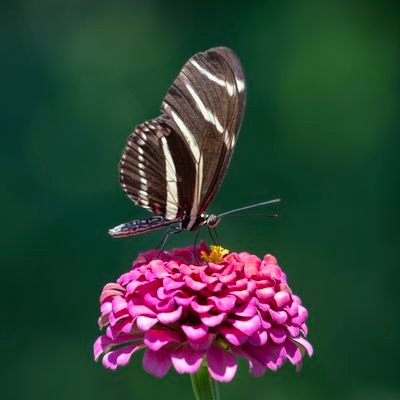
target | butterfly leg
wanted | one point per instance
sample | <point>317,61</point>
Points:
<point>213,235</point>
<point>196,238</point>
<point>170,231</point>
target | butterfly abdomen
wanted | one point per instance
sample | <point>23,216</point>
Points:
<point>140,226</point>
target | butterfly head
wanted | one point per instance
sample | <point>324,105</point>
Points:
<point>212,220</point>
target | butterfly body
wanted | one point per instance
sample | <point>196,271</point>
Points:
<point>174,164</point>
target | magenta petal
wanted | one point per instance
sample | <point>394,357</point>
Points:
<point>170,284</point>
<point>186,360</point>
<point>248,326</point>
<point>195,332</point>
<point>120,357</point>
<point>170,317</point>
<point>224,304</point>
<point>221,364</point>
<point>278,317</point>
<point>103,344</point>
<point>293,353</point>
<point>247,309</point>
<point>195,285</point>
<point>155,339</point>
<point>277,334</point>
<point>118,304</point>
<point>203,343</point>
<point>256,367</point>
<point>157,362</point>
<point>135,310</point>
<point>259,338</point>
<point>305,344</point>
<point>266,293</point>
<point>184,301</point>
<point>233,335</point>
<point>212,320</point>
<point>282,298</point>
<point>145,323</point>
<point>201,308</point>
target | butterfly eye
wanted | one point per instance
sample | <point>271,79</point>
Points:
<point>212,221</point>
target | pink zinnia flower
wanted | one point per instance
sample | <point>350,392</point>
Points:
<point>184,312</point>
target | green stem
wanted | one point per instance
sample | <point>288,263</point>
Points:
<point>204,387</point>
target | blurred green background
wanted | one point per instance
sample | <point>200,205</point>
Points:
<point>321,131</point>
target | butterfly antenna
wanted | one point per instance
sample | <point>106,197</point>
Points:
<point>262,203</point>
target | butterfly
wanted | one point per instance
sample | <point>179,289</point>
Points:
<point>173,165</point>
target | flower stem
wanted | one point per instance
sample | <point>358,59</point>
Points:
<point>204,387</point>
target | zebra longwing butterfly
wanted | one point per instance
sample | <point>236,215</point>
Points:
<point>174,164</point>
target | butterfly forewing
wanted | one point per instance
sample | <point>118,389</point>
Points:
<point>174,164</point>
<point>205,105</point>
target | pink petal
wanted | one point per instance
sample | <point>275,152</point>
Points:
<point>256,367</point>
<point>259,338</point>
<point>293,352</point>
<point>248,326</point>
<point>135,310</point>
<point>155,339</point>
<point>158,268</point>
<point>157,362</point>
<point>266,293</point>
<point>302,316</point>
<point>277,334</point>
<point>170,317</point>
<point>212,320</point>
<point>279,317</point>
<point>194,285</point>
<point>203,343</point>
<point>224,304</point>
<point>232,335</point>
<point>221,364</point>
<point>294,331</point>
<point>120,357</point>
<point>145,323</point>
<point>184,301</point>
<point>195,332</point>
<point>282,298</point>
<point>247,310</point>
<point>305,344</point>
<point>186,360</point>
<point>252,265</point>
<point>118,304</point>
<point>170,284</point>
<point>207,278</point>
<point>201,308</point>
<point>225,279</point>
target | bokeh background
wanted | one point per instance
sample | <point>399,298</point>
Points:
<point>321,131</point>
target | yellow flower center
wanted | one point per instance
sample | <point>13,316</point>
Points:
<point>216,255</point>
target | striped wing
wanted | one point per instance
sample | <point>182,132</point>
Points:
<point>149,168</point>
<point>173,165</point>
<point>205,105</point>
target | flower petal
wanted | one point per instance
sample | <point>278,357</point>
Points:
<point>232,335</point>
<point>212,320</point>
<point>155,339</point>
<point>195,332</point>
<point>120,357</point>
<point>145,323</point>
<point>170,317</point>
<point>222,365</point>
<point>305,344</point>
<point>186,360</point>
<point>248,326</point>
<point>224,304</point>
<point>157,362</point>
